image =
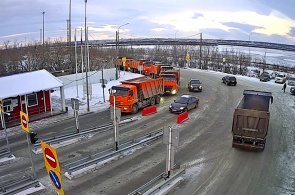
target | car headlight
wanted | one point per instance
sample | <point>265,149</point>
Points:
<point>192,86</point>
<point>200,87</point>
<point>174,91</point>
<point>181,108</point>
<point>170,106</point>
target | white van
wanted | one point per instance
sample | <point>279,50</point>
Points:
<point>280,78</point>
<point>291,80</point>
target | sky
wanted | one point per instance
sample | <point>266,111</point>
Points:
<point>257,20</point>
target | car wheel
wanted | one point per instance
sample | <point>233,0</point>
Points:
<point>153,101</point>
<point>134,109</point>
<point>158,99</point>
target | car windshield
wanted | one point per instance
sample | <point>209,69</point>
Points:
<point>195,82</point>
<point>120,91</point>
<point>292,78</point>
<point>232,78</point>
<point>165,68</point>
<point>282,76</point>
<point>169,77</point>
<point>182,100</point>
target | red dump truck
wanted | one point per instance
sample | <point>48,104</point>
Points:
<point>171,81</point>
<point>251,120</point>
<point>134,94</point>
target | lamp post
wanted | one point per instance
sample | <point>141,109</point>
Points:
<point>43,29</point>
<point>86,62</point>
<point>249,50</point>
<point>117,48</point>
<point>175,44</point>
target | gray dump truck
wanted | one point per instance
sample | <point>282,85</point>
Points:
<point>251,120</point>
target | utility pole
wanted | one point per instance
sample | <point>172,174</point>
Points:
<point>200,50</point>
<point>70,26</point>
<point>40,35</point>
<point>87,90</point>
<point>175,45</point>
<point>118,47</point>
<point>249,50</point>
<point>43,29</point>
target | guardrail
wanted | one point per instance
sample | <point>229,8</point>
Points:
<point>160,182</point>
<point>74,136</point>
<point>19,185</point>
<point>85,165</point>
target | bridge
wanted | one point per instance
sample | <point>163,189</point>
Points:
<point>196,42</point>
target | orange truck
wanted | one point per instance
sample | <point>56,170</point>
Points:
<point>122,65</point>
<point>134,94</point>
<point>171,81</point>
<point>157,68</point>
<point>144,64</point>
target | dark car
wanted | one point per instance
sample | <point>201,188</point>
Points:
<point>292,90</point>
<point>264,77</point>
<point>184,103</point>
<point>229,80</point>
<point>194,85</point>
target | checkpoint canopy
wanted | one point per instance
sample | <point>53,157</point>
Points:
<point>30,82</point>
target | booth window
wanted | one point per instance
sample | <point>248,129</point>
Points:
<point>7,105</point>
<point>32,99</point>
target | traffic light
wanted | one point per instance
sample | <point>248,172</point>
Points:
<point>33,137</point>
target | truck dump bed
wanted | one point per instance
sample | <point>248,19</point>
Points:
<point>251,119</point>
<point>150,87</point>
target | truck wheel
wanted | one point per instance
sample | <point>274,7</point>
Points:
<point>134,109</point>
<point>153,101</point>
<point>158,99</point>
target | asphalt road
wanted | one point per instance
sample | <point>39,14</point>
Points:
<point>212,165</point>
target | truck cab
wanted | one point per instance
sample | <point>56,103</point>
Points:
<point>125,96</point>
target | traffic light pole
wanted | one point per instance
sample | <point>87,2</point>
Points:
<point>31,157</point>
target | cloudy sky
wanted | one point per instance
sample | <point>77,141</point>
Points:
<point>261,20</point>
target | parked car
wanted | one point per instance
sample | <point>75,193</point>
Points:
<point>264,77</point>
<point>280,78</point>
<point>291,80</point>
<point>292,90</point>
<point>229,80</point>
<point>194,85</point>
<point>184,103</point>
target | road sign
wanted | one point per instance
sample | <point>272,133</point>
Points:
<point>1,106</point>
<point>140,67</point>
<point>55,179</point>
<point>24,121</point>
<point>124,59</point>
<point>187,57</point>
<point>52,166</point>
<point>75,103</point>
<point>50,157</point>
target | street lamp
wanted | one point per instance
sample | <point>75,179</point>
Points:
<point>249,50</point>
<point>175,44</point>
<point>43,28</point>
<point>117,48</point>
<point>86,62</point>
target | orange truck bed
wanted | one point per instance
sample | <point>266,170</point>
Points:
<point>134,94</point>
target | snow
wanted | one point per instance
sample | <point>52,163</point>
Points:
<point>26,83</point>
<point>97,102</point>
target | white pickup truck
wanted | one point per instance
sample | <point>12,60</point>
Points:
<point>280,78</point>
